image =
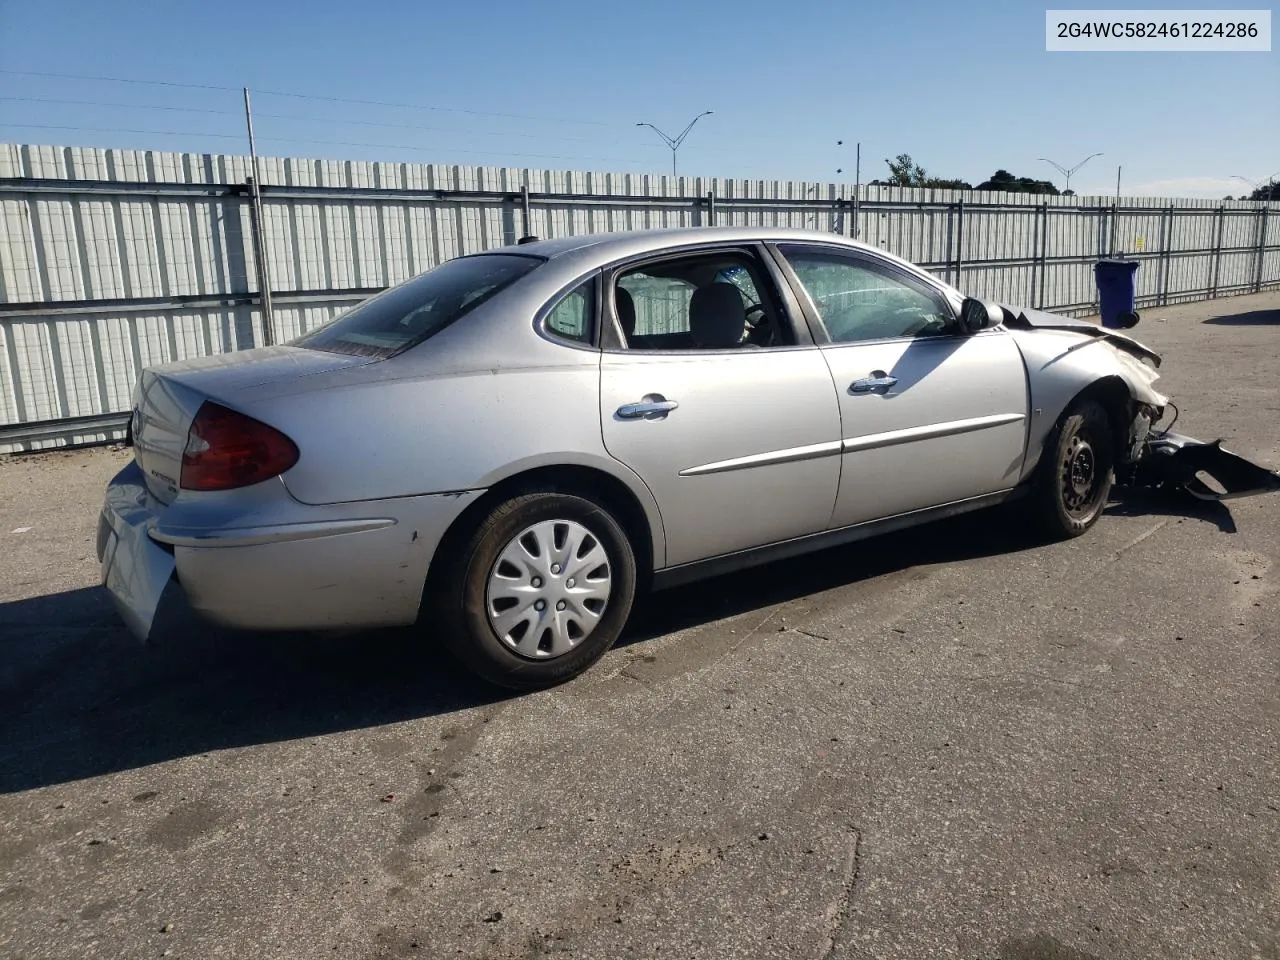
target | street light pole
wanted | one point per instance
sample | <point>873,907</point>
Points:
<point>1257,184</point>
<point>674,142</point>
<point>1068,172</point>
<point>259,230</point>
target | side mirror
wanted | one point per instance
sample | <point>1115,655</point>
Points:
<point>978,315</point>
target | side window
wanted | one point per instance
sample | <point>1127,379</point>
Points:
<point>660,305</point>
<point>857,301</point>
<point>571,317</point>
<point>700,302</point>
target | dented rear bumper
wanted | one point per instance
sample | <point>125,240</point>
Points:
<point>1204,470</point>
<point>256,558</point>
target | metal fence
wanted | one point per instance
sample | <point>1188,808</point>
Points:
<point>113,260</point>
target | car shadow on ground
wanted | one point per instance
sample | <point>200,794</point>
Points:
<point>80,698</point>
<point>1250,318</point>
<point>967,537</point>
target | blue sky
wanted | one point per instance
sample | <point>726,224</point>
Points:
<point>963,88</point>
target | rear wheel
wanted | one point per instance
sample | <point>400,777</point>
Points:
<point>539,590</point>
<point>1075,474</point>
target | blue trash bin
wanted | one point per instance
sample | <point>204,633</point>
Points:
<point>1117,283</point>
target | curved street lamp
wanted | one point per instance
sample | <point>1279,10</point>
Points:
<point>1067,173</point>
<point>674,142</point>
<point>1257,184</point>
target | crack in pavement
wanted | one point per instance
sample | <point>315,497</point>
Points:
<point>837,915</point>
<point>1137,540</point>
<point>812,635</point>
<point>1008,678</point>
<point>624,669</point>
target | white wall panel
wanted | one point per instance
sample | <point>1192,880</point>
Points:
<point>62,252</point>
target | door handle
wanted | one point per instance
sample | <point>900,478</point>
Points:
<point>879,380</point>
<point>654,406</point>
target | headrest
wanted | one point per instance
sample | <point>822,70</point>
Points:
<point>717,316</point>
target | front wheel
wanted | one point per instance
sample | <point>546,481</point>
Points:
<point>1075,474</point>
<point>539,591</point>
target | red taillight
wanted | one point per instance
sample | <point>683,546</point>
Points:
<point>226,450</point>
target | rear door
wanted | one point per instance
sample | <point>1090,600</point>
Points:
<point>929,416</point>
<point>718,401</point>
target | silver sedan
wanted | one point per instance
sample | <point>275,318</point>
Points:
<point>507,448</point>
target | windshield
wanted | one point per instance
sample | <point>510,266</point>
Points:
<point>405,315</point>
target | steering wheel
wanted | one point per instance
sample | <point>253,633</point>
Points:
<point>758,310</point>
<point>759,329</point>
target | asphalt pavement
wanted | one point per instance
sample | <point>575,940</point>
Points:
<point>953,742</point>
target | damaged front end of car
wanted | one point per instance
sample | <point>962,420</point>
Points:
<point>1160,459</point>
<point>1156,457</point>
<point>1168,460</point>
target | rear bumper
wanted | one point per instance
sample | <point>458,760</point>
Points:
<point>263,561</point>
<point>135,569</point>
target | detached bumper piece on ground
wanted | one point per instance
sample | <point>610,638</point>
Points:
<point>1173,461</point>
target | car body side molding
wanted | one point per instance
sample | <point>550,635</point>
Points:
<point>931,431</point>
<point>743,559</point>
<point>789,455</point>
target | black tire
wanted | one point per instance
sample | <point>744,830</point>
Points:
<point>461,602</point>
<point>1075,475</point>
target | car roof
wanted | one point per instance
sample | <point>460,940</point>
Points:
<point>570,257</point>
<point>621,244</point>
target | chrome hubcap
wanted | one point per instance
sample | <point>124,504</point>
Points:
<point>548,589</point>
<point>1079,473</point>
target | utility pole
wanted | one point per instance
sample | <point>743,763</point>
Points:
<point>857,188</point>
<point>674,142</point>
<point>1069,172</point>
<point>857,182</point>
<point>1115,214</point>
<point>259,246</point>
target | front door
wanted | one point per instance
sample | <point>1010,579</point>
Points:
<point>717,404</point>
<point>929,416</point>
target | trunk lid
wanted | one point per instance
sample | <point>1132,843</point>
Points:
<point>168,397</point>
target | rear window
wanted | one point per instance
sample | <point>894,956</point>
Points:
<point>405,315</point>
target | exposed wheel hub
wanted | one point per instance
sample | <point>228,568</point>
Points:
<point>1079,474</point>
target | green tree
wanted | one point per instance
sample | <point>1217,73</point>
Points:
<point>905,172</point>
